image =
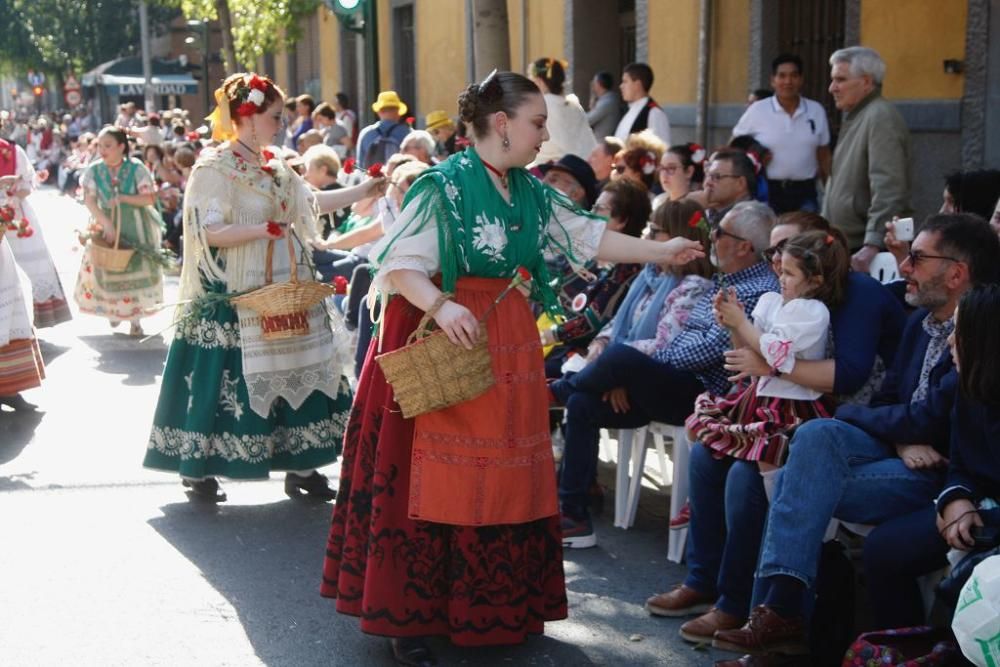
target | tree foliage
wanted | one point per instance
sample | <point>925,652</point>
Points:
<point>61,35</point>
<point>257,27</point>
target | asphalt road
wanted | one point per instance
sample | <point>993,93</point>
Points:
<point>105,563</point>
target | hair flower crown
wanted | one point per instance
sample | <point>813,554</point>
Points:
<point>251,92</point>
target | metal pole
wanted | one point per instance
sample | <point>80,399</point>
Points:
<point>470,40</point>
<point>371,42</point>
<point>704,53</point>
<point>147,64</point>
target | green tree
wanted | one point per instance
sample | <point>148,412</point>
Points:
<point>61,35</point>
<point>254,27</point>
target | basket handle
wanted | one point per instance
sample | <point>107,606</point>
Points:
<point>269,262</point>
<point>268,269</point>
<point>116,219</point>
<point>424,328</point>
<point>292,261</point>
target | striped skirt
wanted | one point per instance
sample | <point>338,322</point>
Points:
<point>21,366</point>
<point>746,426</point>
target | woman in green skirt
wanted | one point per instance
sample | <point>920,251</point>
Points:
<point>233,403</point>
<point>119,192</point>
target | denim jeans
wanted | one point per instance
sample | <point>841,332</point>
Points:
<point>656,392</point>
<point>728,510</point>
<point>837,470</point>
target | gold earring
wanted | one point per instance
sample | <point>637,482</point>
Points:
<point>506,143</point>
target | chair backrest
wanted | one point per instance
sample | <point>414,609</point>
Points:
<point>884,268</point>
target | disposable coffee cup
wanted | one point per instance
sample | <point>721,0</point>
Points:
<point>903,228</point>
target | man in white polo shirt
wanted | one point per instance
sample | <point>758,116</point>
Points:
<point>795,129</point>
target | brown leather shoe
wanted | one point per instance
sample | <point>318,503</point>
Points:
<point>765,632</point>
<point>681,601</point>
<point>701,630</point>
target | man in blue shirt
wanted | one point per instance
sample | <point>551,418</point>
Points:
<point>860,466</point>
<point>663,387</point>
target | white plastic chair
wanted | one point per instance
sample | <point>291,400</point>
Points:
<point>631,463</point>
<point>884,268</point>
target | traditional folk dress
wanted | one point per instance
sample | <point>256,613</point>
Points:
<point>135,292</point>
<point>231,403</point>
<point>30,251</point>
<point>755,422</point>
<point>447,524</point>
<point>21,364</point>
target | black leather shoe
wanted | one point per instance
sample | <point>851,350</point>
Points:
<point>18,403</point>
<point>314,486</point>
<point>412,651</point>
<point>207,489</point>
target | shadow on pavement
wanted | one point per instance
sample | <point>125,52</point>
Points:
<point>141,363</point>
<point>51,351</point>
<point>266,561</point>
<point>16,431</point>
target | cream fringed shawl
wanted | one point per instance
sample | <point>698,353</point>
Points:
<point>226,190</point>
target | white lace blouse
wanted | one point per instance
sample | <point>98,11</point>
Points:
<point>793,330</point>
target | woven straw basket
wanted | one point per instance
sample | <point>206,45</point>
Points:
<point>284,307</point>
<point>112,258</point>
<point>431,372</point>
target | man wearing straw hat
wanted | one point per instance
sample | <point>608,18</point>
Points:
<point>442,128</point>
<point>382,139</point>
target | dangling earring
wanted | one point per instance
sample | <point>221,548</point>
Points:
<point>506,143</point>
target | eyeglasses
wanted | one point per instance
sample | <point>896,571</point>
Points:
<point>915,257</point>
<point>772,253</point>
<point>669,169</point>
<point>653,230</point>
<point>715,177</point>
<point>719,232</point>
<point>619,168</point>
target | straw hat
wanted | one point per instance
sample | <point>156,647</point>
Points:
<point>437,119</point>
<point>389,98</point>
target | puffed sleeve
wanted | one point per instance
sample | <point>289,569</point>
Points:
<point>144,183</point>
<point>25,172</point>
<point>798,325</point>
<point>411,245</point>
<point>206,198</point>
<point>573,234</point>
<point>88,180</point>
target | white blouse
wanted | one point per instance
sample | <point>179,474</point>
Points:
<point>419,251</point>
<point>569,130</point>
<point>793,330</point>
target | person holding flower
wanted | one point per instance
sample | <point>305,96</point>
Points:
<point>119,192</point>
<point>464,498</point>
<point>234,402</point>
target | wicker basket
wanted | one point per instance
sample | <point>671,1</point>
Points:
<point>431,372</point>
<point>111,258</point>
<point>284,307</point>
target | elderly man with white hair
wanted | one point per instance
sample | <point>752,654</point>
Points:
<point>420,144</point>
<point>870,181</point>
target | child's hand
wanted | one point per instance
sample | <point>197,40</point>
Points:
<point>728,309</point>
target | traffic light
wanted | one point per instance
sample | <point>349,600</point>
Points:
<point>346,7</point>
<point>38,90</point>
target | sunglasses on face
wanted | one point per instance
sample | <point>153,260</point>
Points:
<point>719,232</point>
<point>716,177</point>
<point>914,257</point>
<point>774,252</point>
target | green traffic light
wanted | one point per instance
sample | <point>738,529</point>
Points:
<point>346,7</point>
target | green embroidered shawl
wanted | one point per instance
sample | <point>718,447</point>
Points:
<point>481,234</point>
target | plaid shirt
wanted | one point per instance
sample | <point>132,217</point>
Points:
<point>700,346</point>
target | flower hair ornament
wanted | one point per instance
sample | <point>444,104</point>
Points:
<point>250,91</point>
<point>697,153</point>
<point>647,163</point>
<point>549,63</point>
<point>755,160</point>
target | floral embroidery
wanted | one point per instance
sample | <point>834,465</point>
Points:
<point>228,398</point>
<point>208,333</point>
<point>489,237</point>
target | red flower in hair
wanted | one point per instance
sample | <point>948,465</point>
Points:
<point>829,239</point>
<point>339,284</point>
<point>192,136</point>
<point>695,219</point>
<point>258,83</point>
<point>268,155</point>
<point>349,165</point>
<point>375,171</point>
<point>247,109</point>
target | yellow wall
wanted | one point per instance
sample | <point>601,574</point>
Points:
<point>440,47</point>
<point>329,53</point>
<point>384,47</point>
<point>280,73</point>
<point>914,37</point>
<point>545,31</point>
<point>673,50</point>
<point>730,50</point>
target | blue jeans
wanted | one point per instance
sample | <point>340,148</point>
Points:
<point>656,392</point>
<point>837,470</point>
<point>728,510</point>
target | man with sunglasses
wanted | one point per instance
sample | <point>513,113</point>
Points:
<point>729,179</point>
<point>872,463</point>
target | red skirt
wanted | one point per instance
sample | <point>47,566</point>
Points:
<point>746,426</point>
<point>478,585</point>
<point>21,366</point>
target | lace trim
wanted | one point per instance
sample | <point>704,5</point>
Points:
<point>323,434</point>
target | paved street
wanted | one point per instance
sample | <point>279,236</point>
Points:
<point>105,563</point>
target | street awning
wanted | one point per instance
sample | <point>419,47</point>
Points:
<point>123,77</point>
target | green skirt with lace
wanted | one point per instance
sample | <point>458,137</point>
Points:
<point>204,426</point>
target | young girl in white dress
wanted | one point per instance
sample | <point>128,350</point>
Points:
<point>755,421</point>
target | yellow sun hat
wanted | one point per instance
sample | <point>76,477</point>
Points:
<point>389,98</point>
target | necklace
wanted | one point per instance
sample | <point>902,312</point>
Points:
<point>255,153</point>
<point>501,176</point>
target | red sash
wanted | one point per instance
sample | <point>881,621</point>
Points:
<point>8,159</point>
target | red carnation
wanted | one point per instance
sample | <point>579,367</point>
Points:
<point>339,284</point>
<point>246,109</point>
<point>375,171</point>
<point>349,165</point>
<point>410,120</point>
<point>267,170</point>
<point>258,83</point>
<point>695,220</point>
<point>273,229</point>
<point>268,155</point>
<point>524,274</point>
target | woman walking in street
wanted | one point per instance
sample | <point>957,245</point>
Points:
<point>21,364</point>
<point>447,524</point>
<point>120,193</point>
